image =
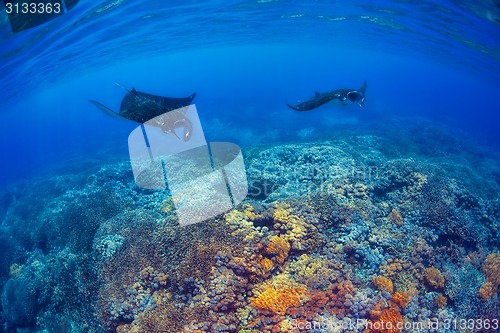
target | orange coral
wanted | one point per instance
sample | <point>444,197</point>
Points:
<point>383,283</point>
<point>279,247</point>
<point>390,321</point>
<point>440,301</point>
<point>278,300</point>
<point>434,278</point>
<point>267,264</point>
<point>401,299</point>
<point>395,217</point>
<point>487,291</point>
<point>491,268</point>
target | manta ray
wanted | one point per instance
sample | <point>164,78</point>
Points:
<point>354,95</point>
<point>142,107</point>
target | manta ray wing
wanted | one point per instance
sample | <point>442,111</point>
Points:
<point>107,110</point>
<point>316,101</point>
<point>142,107</point>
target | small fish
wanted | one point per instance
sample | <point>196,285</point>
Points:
<point>142,107</point>
<point>354,95</point>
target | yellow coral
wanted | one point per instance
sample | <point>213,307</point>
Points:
<point>267,264</point>
<point>279,294</point>
<point>278,300</point>
<point>306,266</point>
<point>282,213</point>
<point>391,321</point>
<point>419,180</point>
<point>241,221</point>
<point>295,227</point>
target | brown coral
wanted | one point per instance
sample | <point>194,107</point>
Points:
<point>384,284</point>
<point>491,268</point>
<point>396,218</point>
<point>440,301</point>
<point>434,278</point>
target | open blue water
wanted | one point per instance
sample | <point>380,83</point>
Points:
<point>246,60</point>
<point>76,233</point>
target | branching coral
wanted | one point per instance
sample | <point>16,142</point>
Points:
<point>266,264</point>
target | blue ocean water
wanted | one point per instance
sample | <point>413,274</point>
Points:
<point>403,186</point>
<point>246,60</point>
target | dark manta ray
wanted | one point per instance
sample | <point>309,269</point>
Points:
<point>141,107</point>
<point>354,95</point>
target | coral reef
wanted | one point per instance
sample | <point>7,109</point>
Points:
<point>355,228</point>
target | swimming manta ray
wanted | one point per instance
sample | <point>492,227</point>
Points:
<point>354,95</point>
<point>141,107</point>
